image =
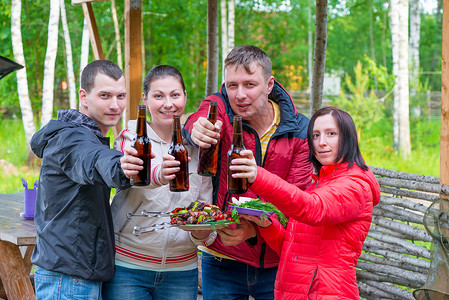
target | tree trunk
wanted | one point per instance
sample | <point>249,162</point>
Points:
<point>371,37</point>
<point>84,57</point>
<point>394,27</point>
<point>404,100</point>
<point>68,50</point>
<point>319,55</point>
<point>399,38</point>
<point>117,35</point>
<point>231,24</point>
<point>310,46</point>
<point>224,34</point>
<point>22,83</point>
<point>212,47</point>
<point>49,65</point>
<point>415,25</point>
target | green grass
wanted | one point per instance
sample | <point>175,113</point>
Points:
<point>375,144</point>
<point>13,157</point>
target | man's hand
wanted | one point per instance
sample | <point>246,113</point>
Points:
<point>204,133</point>
<point>246,166</point>
<point>130,163</point>
<point>232,237</point>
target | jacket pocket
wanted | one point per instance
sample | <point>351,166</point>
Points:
<point>312,293</point>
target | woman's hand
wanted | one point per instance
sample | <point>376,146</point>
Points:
<point>168,169</point>
<point>246,167</point>
<point>261,222</point>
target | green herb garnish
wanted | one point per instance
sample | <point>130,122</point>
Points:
<point>214,224</point>
<point>265,206</point>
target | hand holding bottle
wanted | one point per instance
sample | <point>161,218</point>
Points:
<point>204,133</point>
<point>130,162</point>
<point>244,167</point>
<point>169,168</point>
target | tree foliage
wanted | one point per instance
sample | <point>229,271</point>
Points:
<point>175,33</point>
<point>365,107</point>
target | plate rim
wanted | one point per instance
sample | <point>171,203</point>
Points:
<point>268,213</point>
<point>204,226</point>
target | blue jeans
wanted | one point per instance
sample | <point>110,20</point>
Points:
<point>229,279</point>
<point>57,286</point>
<point>136,284</point>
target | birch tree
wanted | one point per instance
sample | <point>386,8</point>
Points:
<point>415,25</point>
<point>117,36</point>
<point>69,57</point>
<point>212,47</point>
<point>84,55</point>
<point>231,24</point>
<point>224,34</point>
<point>399,45</point>
<point>22,83</point>
<point>49,64</point>
<point>227,28</point>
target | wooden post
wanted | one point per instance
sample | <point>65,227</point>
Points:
<point>95,41</point>
<point>444,140</point>
<point>14,272</point>
<point>93,30</point>
<point>133,56</point>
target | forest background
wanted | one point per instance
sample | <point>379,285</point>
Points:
<point>359,53</point>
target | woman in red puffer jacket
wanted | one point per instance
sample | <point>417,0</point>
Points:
<point>328,222</point>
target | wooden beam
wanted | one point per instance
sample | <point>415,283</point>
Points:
<point>95,41</point>
<point>93,31</point>
<point>444,135</point>
<point>133,56</point>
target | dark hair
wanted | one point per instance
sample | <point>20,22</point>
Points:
<point>102,66</point>
<point>348,145</point>
<point>161,71</point>
<point>244,55</point>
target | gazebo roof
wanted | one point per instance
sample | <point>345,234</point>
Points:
<point>7,66</point>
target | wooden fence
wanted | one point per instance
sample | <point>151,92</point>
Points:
<point>397,252</point>
<point>425,104</point>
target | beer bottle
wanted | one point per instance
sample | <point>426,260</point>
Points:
<point>208,157</point>
<point>181,182</point>
<point>236,185</point>
<point>142,144</point>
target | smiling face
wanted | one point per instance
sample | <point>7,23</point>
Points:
<point>325,139</point>
<point>105,102</point>
<point>166,97</point>
<point>248,93</point>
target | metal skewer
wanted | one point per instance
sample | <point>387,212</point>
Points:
<point>138,230</point>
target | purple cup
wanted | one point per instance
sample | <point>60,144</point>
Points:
<point>29,203</point>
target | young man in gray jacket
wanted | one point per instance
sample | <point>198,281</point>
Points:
<point>75,240</point>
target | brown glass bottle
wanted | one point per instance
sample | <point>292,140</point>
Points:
<point>181,182</point>
<point>236,185</point>
<point>208,157</point>
<point>142,144</point>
